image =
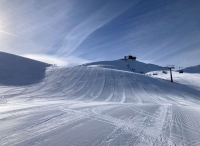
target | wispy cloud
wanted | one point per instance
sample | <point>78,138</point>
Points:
<point>98,19</point>
<point>1,31</point>
<point>51,59</point>
<point>72,31</point>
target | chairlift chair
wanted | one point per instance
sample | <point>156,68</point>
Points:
<point>164,71</point>
<point>155,73</point>
<point>180,70</point>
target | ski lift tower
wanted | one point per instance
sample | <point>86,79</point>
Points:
<point>170,67</point>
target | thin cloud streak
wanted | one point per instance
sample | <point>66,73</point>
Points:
<point>94,22</point>
<point>51,59</point>
<point>9,33</point>
<point>155,31</point>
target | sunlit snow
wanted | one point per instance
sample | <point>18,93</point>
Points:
<point>94,104</point>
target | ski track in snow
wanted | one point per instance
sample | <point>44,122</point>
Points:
<point>82,106</point>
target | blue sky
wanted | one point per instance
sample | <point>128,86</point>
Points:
<point>72,32</point>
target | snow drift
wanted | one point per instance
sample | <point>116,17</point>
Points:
<point>16,70</point>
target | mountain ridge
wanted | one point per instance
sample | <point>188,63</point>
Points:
<point>126,65</point>
<point>192,69</point>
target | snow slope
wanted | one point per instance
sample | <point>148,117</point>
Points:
<point>188,79</point>
<point>126,65</point>
<point>91,105</point>
<point>16,70</point>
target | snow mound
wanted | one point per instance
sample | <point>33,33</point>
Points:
<point>16,70</point>
<point>126,65</point>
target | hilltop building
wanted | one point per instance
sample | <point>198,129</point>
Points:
<point>130,57</point>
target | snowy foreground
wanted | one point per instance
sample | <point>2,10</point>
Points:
<point>87,105</point>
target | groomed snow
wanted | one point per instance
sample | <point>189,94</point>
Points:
<point>92,105</point>
<point>188,79</point>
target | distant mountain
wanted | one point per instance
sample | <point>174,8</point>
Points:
<point>192,69</point>
<point>126,65</point>
<point>16,70</point>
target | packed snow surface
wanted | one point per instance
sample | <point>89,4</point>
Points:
<point>188,79</point>
<point>99,106</point>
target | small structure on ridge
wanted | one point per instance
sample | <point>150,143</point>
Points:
<point>130,57</point>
